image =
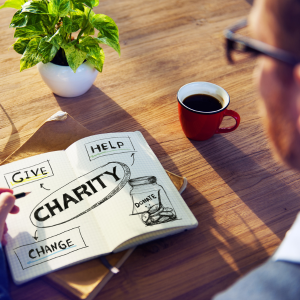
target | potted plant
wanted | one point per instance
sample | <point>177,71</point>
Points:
<point>59,37</point>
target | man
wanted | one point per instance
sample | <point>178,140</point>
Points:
<point>276,23</point>
<point>7,205</point>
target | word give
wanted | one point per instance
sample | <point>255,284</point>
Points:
<point>29,174</point>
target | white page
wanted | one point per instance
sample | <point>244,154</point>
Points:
<point>113,204</point>
<point>47,176</point>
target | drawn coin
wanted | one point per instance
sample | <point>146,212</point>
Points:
<point>158,212</point>
<point>145,217</point>
<point>163,219</point>
<point>153,209</point>
<point>168,209</point>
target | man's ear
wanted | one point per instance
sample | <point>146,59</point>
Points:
<point>297,74</point>
<point>297,81</point>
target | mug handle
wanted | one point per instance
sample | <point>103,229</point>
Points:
<point>234,115</point>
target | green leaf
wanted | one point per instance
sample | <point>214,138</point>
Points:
<point>17,4</point>
<point>48,20</point>
<point>90,46</point>
<point>106,26</point>
<point>95,54</point>
<point>35,7</point>
<point>77,5</point>
<point>107,41</point>
<point>47,50</point>
<point>59,7</point>
<point>97,63</point>
<point>90,3</point>
<point>89,30</point>
<point>75,56</point>
<point>89,13</point>
<point>20,45</point>
<point>30,31</point>
<point>56,39</point>
<point>23,19</point>
<point>69,26</point>
<point>31,57</point>
<point>79,18</point>
<point>19,20</point>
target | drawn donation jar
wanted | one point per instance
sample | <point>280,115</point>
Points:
<point>150,201</point>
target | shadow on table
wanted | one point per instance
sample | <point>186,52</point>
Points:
<point>257,187</point>
<point>14,137</point>
<point>209,255</point>
<point>100,114</point>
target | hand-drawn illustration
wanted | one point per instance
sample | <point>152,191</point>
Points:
<point>133,158</point>
<point>35,236</point>
<point>50,248</point>
<point>150,201</point>
<point>106,181</point>
<point>42,186</point>
<point>108,146</point>
<point>30,174</point>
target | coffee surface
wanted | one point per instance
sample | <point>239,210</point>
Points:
<point>202,102</point>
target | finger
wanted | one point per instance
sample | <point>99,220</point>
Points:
<point>5,228</point>
<point>3,241</point>
<point>7,201</point>
<point>3,190</point>
<point>15,210</point>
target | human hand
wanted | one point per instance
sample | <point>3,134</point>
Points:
<point>7,205</point>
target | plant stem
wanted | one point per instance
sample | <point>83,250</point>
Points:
<point>84,27</point>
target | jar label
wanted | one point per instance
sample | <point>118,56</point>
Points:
<point>150,208</point>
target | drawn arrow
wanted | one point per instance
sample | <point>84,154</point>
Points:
<point>133,158</point>
<point>42,186</point>
<point>35,237</point>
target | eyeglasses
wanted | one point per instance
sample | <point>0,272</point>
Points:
<point>240,48</point>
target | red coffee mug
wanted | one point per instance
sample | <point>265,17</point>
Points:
<point>200,125</point>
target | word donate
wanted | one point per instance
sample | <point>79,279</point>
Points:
<point>29,174</point>
<point>109,146</point>
<point>79,197</point>
<point>53,247</point>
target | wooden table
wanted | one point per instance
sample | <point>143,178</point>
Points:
<point>244,200</point>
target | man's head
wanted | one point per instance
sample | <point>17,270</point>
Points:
<point>276,22</point>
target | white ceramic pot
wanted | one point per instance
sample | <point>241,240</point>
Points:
<point>64,82</point>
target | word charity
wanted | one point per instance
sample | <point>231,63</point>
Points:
<point>91,187</point>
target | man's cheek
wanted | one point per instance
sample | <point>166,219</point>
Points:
<point>264,79</point>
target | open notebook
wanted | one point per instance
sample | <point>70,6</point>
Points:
<point>104,193</point>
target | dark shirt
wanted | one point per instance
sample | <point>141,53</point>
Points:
<point>3,277</point>
<point>273,280</point>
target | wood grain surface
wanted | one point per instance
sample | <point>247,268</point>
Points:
<point>244,200</point>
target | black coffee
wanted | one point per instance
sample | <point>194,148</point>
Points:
<point>202,102</point>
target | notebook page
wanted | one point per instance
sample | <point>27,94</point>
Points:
<point>39,238</point>
<point>124,212</point>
